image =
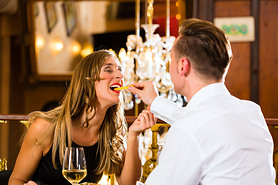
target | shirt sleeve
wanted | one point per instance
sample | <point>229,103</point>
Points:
<point>180,161</point>
<point>165,109</point>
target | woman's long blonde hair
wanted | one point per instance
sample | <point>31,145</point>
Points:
<point>81,96</point>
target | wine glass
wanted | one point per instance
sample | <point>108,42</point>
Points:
<point>74,165</point>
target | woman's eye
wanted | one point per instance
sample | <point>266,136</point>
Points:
<point>108,70</point>
<point>120,69</point>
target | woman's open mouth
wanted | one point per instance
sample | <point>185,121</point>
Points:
<point>114,86</point>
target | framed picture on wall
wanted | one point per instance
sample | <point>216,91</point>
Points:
<point>238,29</point>
<point>51,15</point>
<point>36,10</point>
<point>70,17</point>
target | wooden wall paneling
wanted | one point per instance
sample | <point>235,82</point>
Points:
<point>268,57</point>
<point>16,100</point>
<point>38,95</point>
<point>10,27</point>
<point>189,8</point>
<point>205,9</point>
<point>254,73</point>
<point>195,8</point>
<point>238,78</point>
<point>17,79</point>
<point>160,8</point>
<point>231,8</point>
<point>4,92</point>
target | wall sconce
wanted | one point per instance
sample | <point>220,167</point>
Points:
<point>178,16</point>
<point>75,47</point>
<point>56,46</point>
<point>86,50</point>
<point>39,42</point>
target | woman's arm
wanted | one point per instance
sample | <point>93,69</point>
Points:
<point>30,154</point>
<point>132,168</point>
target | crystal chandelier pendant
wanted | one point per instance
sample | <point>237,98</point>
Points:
<point>149,30</point>
<point>149,60</point>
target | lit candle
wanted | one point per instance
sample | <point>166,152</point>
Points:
<point>167,18</point>
<point>150,12</point>
<point>137,24</point>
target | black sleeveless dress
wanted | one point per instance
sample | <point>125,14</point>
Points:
<point>47,174</point>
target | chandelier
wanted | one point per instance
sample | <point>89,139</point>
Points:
<point>148,60</point>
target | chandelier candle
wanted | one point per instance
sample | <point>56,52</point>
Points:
<point>148,60</point>
<point>168,18</point>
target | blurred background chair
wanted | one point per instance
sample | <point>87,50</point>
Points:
<point>4,173</point>
<point>3,165</point>
<point>155,148</point>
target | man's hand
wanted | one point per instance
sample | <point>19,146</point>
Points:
<point>146,91</point>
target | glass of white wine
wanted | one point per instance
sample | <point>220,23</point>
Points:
<point>74,165</point>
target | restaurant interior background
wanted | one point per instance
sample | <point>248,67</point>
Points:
<point>24,88</point>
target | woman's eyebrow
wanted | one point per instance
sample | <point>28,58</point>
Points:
<point>111,64</point>
<point>108,64</point>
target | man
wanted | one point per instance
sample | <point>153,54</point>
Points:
<point>217,139</point>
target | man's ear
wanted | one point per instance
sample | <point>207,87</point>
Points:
<point>184,66</point>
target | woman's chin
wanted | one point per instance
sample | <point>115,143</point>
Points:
<point>115,102</point>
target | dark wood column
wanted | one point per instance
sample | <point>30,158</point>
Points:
<point>254,64</point>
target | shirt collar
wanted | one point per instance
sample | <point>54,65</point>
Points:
<point>211,90</point>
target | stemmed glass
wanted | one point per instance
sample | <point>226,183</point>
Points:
<point>74,165</point>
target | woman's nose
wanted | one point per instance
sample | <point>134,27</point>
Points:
<point>119,75</point>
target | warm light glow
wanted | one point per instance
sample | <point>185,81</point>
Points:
<point>148,60</point>
<point>122,54</point>
<point>113,52</point>
<point>86,51</point>
<point>59,46</point>
<point>39,42</point>
<point>75,47</point>
<point>56,46</point>
<point>178,16</point>
<point>177,4</point>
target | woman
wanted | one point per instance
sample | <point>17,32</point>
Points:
<point>90,116</point>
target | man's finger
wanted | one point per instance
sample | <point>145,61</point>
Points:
<point>138,85</point>
<point>134,90</point>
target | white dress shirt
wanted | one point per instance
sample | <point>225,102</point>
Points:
<point>217,139</point>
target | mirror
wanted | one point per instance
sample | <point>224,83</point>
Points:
<point>62,32</point>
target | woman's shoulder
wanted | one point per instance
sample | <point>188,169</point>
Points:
<point>36,136</point>
<point>39,131</point>
<point>39,125</point>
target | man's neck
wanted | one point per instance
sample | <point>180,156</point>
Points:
<point>195,85</point>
